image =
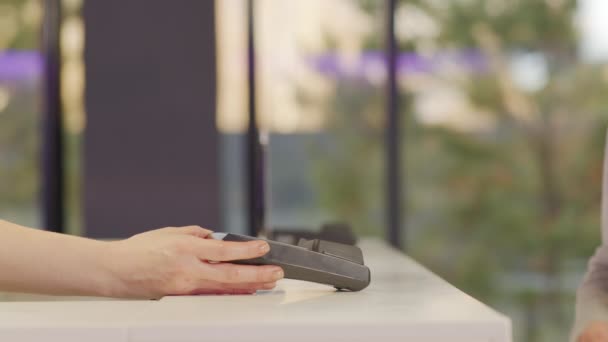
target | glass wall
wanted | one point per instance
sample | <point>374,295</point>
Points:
<point>20,107</point>
<point>507,119</point>
<point>73,116</point>
<point>320,93</point>
<point>504,117</point>
<point>503,110</point>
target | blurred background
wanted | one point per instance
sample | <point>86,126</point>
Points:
<point>502,111</point>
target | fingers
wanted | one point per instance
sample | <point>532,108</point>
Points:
<point>268,286</point>
<point>233,274</point>
<point>234,292</point>
<point>250,286</point>
<point>215,250</point>
<point>222,292</point>
<point>188,230</point>
<point>219,288</point>
<point>244,287</point>
<point>193,230</point>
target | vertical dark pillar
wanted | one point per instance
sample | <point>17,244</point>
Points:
<point>395,209</point>
<point>52,147</point>
<point>151,144</point>
<point>255,166</point>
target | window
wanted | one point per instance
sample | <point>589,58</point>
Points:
<point>319,94</point>
<point>507,119</point>
<point>20,99</point>
<point>504,113</point>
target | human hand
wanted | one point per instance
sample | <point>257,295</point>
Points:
<point>594,332</point>
<point>183,261</point>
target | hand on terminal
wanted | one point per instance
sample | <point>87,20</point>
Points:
<point>178,261</point>
<point>168,261</point>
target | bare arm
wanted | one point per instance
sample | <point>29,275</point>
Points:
<point>149,265</point>
<point>592,296</point>
<point>592,301</point>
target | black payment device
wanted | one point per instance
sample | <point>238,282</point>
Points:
<point>319,261</point>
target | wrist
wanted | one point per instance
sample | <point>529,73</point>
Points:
<point>112,281</point>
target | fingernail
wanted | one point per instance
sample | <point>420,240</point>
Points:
<point>263,247</point>
<point>278,274</point>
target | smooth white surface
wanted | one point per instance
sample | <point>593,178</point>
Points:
<point>404,302</point>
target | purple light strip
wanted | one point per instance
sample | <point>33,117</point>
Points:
<point>26,65</point>
<point>20,65</point>
<point>407,63</point>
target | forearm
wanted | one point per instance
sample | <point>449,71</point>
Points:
<point>592,295</point>
<point>167,261</point>
<point>43,262</point>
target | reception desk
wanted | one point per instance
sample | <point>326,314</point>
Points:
<point>405,302</point>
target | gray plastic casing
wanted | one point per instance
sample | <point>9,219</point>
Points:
<point>338,265</point>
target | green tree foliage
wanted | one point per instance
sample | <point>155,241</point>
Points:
<point>500,211</point>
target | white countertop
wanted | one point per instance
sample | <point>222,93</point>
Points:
<point>404,302</point>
